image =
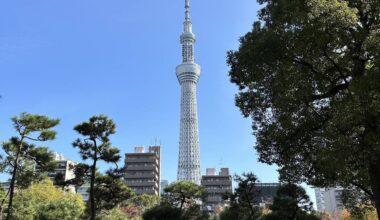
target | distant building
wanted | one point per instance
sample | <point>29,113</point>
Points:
<point>264,194</point>
<point>164,184</point>
<point>84,191</point>
<point>329,200</point>
<point>216,186</point>
<point>64,168</point>
<point>142,170</point>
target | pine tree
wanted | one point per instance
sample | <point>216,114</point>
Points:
<point>22,156</point>
<point>95,146</point>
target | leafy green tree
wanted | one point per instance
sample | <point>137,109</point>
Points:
<point>291,202</point>
<point>70,207</point>
<point>308,75</point>
<point>21,155</point>
<point>243,205</point>
<point>110,192</point>
<point>97,147</point>
<point>113,214</point>
<point>44,201</point>
<point>184,194</point>
<point>144,202</point>
<point>179,201</point>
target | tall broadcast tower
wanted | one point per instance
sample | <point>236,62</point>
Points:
<point>188,74</point>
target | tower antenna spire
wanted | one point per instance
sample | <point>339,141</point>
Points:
<point>187,10</point>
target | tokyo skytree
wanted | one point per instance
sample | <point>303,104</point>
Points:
<point>188,73</point>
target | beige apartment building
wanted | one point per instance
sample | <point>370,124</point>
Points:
<point>216,186</point>
<point>142,170</point>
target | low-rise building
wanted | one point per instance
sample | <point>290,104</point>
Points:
<point>142,170</point>
<point>216,186</point>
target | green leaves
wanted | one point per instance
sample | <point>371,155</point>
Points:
<point>26,124</point>
<point>183,194</point>
<point>308,77</point>
<point>96,127</point>
<point>110,192</point>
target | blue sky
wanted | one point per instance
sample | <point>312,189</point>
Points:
<point>73,59</point>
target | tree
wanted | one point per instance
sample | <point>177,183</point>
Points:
<point>180,201</point>
<point>291,202</point>
<point>97,147</point>
<point>243,205</point>
<point>44,201</point>
<point>70,207</point>
<point>21,156</point>
<point>162,212</point>
<point>184,194</point>
<point>143,202</point>
<point>113,214</point>
<point>308,78</point>
<point>110,192</point>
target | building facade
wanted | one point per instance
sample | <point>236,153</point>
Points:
<point>188,73</point>
<point>216,186</point>
<point>142,170</point>
<point>329,201</point>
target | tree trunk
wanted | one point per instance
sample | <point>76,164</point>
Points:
<point>374,173</point>
<point>12,184</point>
<point>92,183</point>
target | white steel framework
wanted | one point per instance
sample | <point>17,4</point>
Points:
<point>188,74</point>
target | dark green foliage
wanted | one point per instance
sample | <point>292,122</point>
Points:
<point>184,194</point>
<point>95,146</point>
<point>242,201</point>
<point>21,156</point>
<point>291,202</point>
<point>351,197</point>
<point>308,75</point>
<point>162,212</point>
<point>167,212</point>
<point>110,192</point>
<point>180,202</point>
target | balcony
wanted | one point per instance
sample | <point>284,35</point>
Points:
<point>141,160</point>
<point>141,176</point>
<point>144,183</point>
<point>141,167</point>
<point>219,191</point>
<point>146,191</point>
<point>217,183</point>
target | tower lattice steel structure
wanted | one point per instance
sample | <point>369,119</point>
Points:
<point>188,73</point>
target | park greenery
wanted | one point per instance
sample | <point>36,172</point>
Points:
<point>308,76</point>
<point>36,196</point>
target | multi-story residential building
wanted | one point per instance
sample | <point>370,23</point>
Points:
<point>329,201</point>
<point>264,194</point>
<point>142,170</point>
<point>64,167</point>
<point>216,186</point>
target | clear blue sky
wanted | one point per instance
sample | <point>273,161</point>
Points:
<point>72,59</point>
